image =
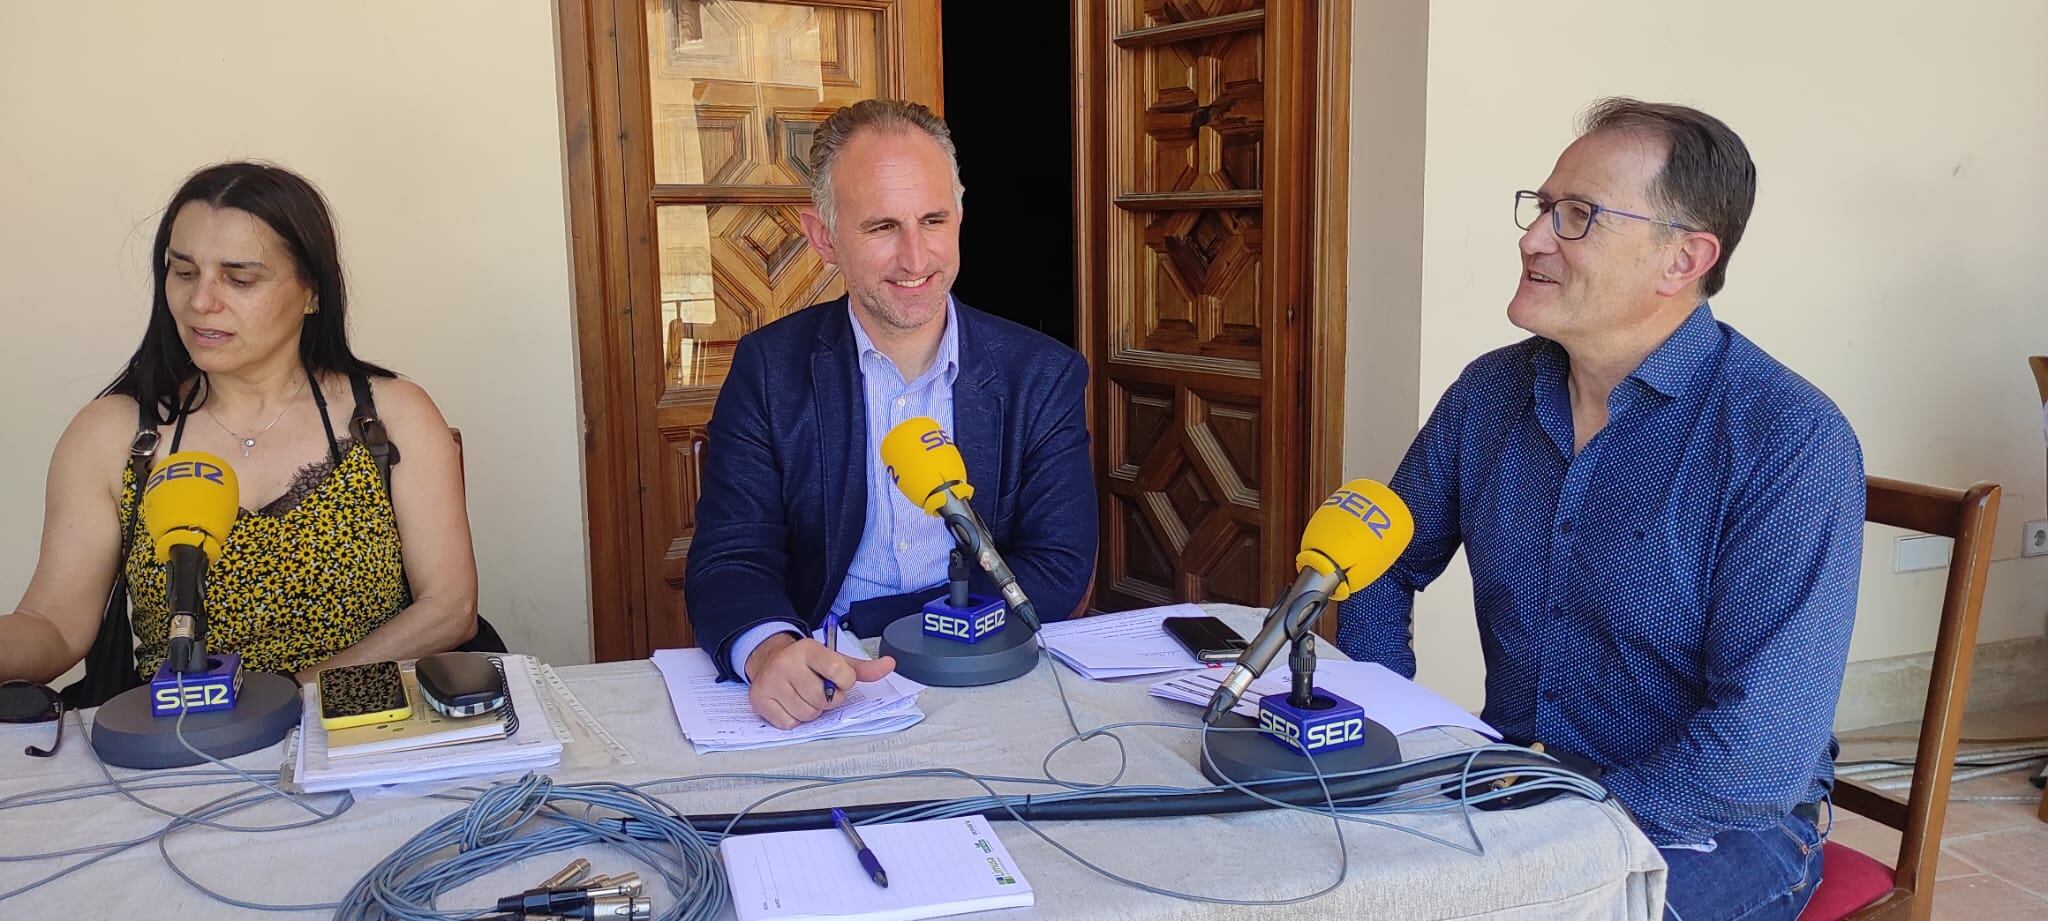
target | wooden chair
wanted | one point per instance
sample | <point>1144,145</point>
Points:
<point>1855,885</point>
<point>2040,365</point>
<point>487,638</point>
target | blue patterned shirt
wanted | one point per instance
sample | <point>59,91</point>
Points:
<point>1674,601</point>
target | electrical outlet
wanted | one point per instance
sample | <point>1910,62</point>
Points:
<point>2035,541</point>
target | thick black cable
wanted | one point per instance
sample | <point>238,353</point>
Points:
<point>1356,789</point>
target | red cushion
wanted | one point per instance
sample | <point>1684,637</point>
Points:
<point>1849,880</point>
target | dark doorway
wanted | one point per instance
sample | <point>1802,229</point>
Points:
<point>1009,102</point>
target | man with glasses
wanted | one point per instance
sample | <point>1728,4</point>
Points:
<point>1664,524</point>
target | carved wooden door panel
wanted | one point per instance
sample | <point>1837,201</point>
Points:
<point>1197,355</point>
<point>716,102</point>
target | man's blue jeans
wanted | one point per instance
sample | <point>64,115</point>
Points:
<point>1765,875</point>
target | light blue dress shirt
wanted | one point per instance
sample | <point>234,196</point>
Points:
<point>901,547</point>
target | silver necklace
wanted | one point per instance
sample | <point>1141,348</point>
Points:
<point>249,441</point>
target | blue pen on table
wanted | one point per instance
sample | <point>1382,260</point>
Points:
<point>832,643</point>
<point>860,848</point>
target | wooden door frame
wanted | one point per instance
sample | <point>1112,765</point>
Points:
<point>1323,92</point>
<point>600,148</point>
<point>610,178</point>
<point>1328,295</point>
<point>596,143</point>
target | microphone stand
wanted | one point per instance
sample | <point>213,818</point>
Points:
<point>956,578</point>
<point>186,587</point>
<point>1301,660</point>
<point>973,540</point>
<point>1247,757</point>
<point>128,731</point>
<point>956,660</point>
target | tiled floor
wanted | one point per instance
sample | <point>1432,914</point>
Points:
<point>1994,853</point>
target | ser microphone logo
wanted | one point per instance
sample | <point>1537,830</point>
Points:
<point>1319,736</point>
<point>1355,504</point>
<point>1329,722</point>
<point>935,439</point>
<point>961,627</point>
<point>187,469</point>
<point>195,696</point>
<point>1327,735</point>
<point>946,626</point>
<point>983,618</point>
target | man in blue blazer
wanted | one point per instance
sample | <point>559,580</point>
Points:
<point>798,518</point>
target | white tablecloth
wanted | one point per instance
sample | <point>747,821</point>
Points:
<point>1566,859</point>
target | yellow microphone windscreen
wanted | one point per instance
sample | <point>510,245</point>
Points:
<point>191,498</point>
<point>922,459</point>
<point>1359,531</point>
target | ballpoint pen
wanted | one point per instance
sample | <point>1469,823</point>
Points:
<point>867,857</point>
<point>832,643</point>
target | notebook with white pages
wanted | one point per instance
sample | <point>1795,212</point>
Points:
<point>717,716</point>
<point>937,867</point>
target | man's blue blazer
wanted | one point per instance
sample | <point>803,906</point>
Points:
<point>785,485</point>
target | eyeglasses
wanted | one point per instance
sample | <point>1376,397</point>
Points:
<point>1570,218</point>
<point>29,702</point>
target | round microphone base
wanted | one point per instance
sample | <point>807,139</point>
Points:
<point>1249,757</point>
<point>124,734</point>
<point>945,663</point>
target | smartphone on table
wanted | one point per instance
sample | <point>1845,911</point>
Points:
<point>360,695</point>
<point>1207,638</point>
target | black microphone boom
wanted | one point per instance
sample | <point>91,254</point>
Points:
<point>975,541</point>
<point>1293,613</point>
<point>185,585</point>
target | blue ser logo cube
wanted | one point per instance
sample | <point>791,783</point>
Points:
<point>983,617</point>
<point>214,690</point>
<point>1332,724</point>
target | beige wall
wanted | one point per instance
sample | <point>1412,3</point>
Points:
<point>1383,331</point>
<point>433,128</point>
<point>1894,257</point>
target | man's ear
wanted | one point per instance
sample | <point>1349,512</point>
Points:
<point>1695,254</point>
<point>819,235</point>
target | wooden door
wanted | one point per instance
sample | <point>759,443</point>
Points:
<point>697,164</point>
<point>1198,206</point>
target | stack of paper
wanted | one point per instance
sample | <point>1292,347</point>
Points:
<point>717,717</point>
<point>1121,645</point>
<point>936,867</point>
<point>1389,699</point>
<point>532,747</point>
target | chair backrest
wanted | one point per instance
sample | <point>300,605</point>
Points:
<point>2040,365</point>
<point>1970,518</point>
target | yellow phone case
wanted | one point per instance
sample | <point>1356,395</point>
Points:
<point>362,695</point>
<point>366,719</point>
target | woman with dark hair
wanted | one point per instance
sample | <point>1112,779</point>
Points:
<point>340,555</point>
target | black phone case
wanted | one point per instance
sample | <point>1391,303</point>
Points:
<point>461,683</point>
<point>1204,634</point>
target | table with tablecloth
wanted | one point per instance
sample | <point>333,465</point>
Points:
<point>1569,858</point>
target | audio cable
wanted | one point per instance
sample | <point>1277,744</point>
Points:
<point>502,824</point>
